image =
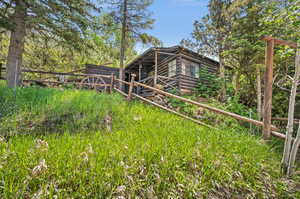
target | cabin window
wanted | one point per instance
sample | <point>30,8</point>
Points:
<point>172,68</point>
<point>190,68</point>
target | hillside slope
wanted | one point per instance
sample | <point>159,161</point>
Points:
<point>58,144</point>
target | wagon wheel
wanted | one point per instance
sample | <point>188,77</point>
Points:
<point>95,82</point>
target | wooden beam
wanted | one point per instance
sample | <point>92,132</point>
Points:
<point>267,116</point>
<point>172,111</point>
<point>140,71</point>
<point>296,121</point>
<point>66,74</point>
<point>140,76</point>
<point>213,109</point>
<point>280,41</point>
<point>155,69</point>
<point>164,53</point>
<point>131,87</point>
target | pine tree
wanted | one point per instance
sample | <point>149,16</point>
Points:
<point>210,34</point>
<point>63,19</point>
<point>134,18</point>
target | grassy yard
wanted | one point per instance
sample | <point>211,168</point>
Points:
<point>56,144</point>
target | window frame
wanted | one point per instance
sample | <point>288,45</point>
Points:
<point>187,66</point>
<point>172,68</point>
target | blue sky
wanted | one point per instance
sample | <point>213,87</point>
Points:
<point>175,18</point>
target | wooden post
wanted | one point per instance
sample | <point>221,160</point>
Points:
<point>131,87</point>
<point>140,76</point>
<point>112,83</point>
<point>267,116</point>
<point>155,70</point>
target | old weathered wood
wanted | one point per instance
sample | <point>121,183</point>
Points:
<point>155,69</point>
<point>296,121</point>
<point>112,83</point>
<point>278,135</point>
<point>66,74</point>
<point>216,110</point>
<point>121,92</point>
<point>291,149</point>
<point>280,41</point>
<point>172,111</point>
<point>267,116</point>
<point>131,86</point>
<point>124,82</point>
<point>60,83</point>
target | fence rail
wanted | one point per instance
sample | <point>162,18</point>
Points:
<point>133,84</point>
<point>274,129</point>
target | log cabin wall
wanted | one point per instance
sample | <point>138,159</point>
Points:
<point>101,70</point>
<point>188,83</point>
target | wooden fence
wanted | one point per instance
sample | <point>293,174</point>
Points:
<point>130,95</point>
<point>112,85</point>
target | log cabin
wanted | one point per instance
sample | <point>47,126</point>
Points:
<point>173,68</point>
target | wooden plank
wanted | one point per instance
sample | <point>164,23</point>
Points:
<point>66,74</point>
<point>280,41</point>
<point>296,121</point>
<point>121,92</point>
<point>164,53</point>
<point>122,81</point>
<point>112,83</point>
<point>131,87</point>
<point>216,110</point>
<point>279,135</point>
<point>267,116</point>
<point>172,111</point>
<point>57,82</point>
<point>155,69</point>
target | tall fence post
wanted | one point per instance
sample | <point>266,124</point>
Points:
<point>268,90</point>
<point>131,87</point>
<point>112,83</point>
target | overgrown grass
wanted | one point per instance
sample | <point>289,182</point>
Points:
<point>148,154</point>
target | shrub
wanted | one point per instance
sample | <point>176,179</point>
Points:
<point>209,83</point>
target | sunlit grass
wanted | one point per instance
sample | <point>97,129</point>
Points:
<point>148,154</point>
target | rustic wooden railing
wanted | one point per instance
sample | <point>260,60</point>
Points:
<point>213,109</point>
<point>112,86</point>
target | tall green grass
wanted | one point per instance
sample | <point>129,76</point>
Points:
<point>148,154</point>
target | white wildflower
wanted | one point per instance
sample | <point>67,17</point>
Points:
<point>39,169</point>
<point>41,145</point>
<point>121,189</point>
<point>84,156</point>
<point>90,149</point>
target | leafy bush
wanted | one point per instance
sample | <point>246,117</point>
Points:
<point>209,83</point>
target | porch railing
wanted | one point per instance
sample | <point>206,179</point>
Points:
<point>167,83</point>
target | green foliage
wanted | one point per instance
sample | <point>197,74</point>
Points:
<point>209,83</point>
<point>150,153</point>
<point>233,30</point>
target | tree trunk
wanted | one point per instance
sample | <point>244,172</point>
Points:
<point>259,94</point>
<point>293,154</point>
<point>123,44</point>
<point>237,84</point>
<point>289,133</point>
<point>16,46</point>
<point>222,76</point>
<point>290,155</point>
